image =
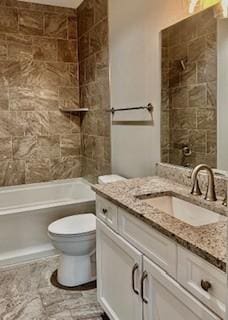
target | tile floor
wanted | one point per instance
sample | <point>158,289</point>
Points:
<point>27,294</point>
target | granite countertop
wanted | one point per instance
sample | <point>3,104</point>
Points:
<point>208,241</point>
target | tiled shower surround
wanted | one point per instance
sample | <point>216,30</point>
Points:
<point>94,87</point>
<point>39,72</point>
<point>189,90</point>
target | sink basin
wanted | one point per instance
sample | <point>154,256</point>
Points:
<point>185,211</point>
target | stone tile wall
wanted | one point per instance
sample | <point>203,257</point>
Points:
<point>189,94</point>
<point>38,74</point>
<point>94,87</point>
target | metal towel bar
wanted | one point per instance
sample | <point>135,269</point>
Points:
<point>148,107</point>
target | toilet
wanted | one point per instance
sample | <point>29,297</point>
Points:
<point>75,237</point>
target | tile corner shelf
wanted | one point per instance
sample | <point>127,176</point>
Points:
<point>74,110</point>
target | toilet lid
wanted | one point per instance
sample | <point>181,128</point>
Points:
<point>74,225</point>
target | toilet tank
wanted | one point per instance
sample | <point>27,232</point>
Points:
<point>110,179</point>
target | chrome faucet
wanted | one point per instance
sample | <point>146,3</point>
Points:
<point>210,194</point>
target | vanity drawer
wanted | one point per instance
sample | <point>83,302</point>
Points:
<point>192,270</point>
<point>107,212</point>
<point>160,249</point>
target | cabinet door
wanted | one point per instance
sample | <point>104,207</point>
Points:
<point>166,299</point>
<point>119,267</point>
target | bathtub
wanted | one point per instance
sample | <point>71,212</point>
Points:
<point>26,211</point>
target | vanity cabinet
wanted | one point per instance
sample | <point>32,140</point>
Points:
<point>143,275</point>
<point>106,212</point>
<point>119,266</point>
<point>195,274</point>
<point>166,299</point>
<point>149,241</point>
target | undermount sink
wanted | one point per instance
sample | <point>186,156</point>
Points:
<point>187,212</point>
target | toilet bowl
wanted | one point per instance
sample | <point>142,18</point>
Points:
<point>75,237</point>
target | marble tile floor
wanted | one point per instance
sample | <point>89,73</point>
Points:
<point>27,294</point>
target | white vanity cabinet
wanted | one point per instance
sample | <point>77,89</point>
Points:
<point>193,272</point>
<point>166,299</point>
<point>119,266</point>
<point>139,281</point>
<point>106,212</point>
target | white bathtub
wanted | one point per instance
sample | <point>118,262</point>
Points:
<point>26,211</point>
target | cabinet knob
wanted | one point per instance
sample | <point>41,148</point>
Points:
<point>206,285</point>
<point>104,211</point>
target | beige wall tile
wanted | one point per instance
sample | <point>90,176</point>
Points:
<point>70,145</point>
<point>74,74</point>
<point>85,16</point>
<point>19,46</point>
<point>55,25</point>
<point>67,50</point>
<point>8,20</point>
<point>48,147</point>
<point>60,123</point>
<point>65,168</point>
<point>37,171</point>
<point>69,97</point>
<point>99,37</point>
<point>83,49</point>
<point>206,119</point>
<point>3,50</point>
<point>44,49</point>
<point>75,123</point>
<point>72,27</point>
<point>12,172</point>
<point>6,150</point>
<point>100,9</point>
<point>24,148</point>
<point>30,22</point>
<point>36,123</point>
<point>198,96</point>
<point>4,105</point>
<point>9,125</point>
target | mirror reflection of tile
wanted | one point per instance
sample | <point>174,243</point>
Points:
<point>189,91</point>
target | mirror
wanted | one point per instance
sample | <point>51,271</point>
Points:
<point>194,112</point>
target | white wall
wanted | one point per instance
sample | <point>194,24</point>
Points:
<point>135,77</point>
<point>222,94</point>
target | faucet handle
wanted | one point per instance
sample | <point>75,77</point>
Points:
<point>196,188</point>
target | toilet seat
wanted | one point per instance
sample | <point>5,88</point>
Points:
<point>73,226</point>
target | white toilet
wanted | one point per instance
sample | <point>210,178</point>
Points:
<point>75,237</point>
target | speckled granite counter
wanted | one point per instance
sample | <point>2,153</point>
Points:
<point>209,242</point>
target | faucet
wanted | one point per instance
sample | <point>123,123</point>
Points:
<point>210,194</point>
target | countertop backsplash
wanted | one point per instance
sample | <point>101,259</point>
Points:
<point>182,175</point>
